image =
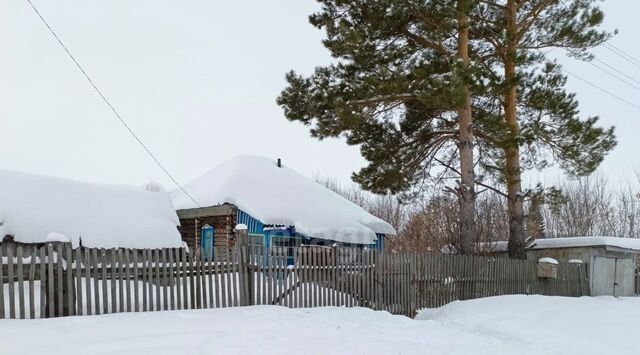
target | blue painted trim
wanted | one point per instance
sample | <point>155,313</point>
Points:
<point>207,241</point>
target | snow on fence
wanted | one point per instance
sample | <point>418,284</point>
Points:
<point>54,280</point>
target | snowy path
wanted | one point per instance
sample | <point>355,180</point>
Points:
<point>499,325</point>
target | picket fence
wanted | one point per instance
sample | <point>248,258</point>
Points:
<point>55,280</point>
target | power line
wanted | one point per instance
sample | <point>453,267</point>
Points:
<point>622,54</point>
<point>108,103</point>
<point>617,70</point>
<point>601,89</point>
<point>615,50</point>
<point>614,75</point>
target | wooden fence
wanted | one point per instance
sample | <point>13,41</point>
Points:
<point>55,280</point>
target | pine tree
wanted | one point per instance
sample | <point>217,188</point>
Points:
<point>400,89</point>
<point>530,117</point>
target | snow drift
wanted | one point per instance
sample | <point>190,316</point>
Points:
<point>34,207</point>
<point>281,196</point>
<point>506,325</point>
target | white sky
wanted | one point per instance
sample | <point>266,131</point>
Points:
<point>197,80</point>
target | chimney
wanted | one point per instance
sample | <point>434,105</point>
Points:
<point>279,163</point>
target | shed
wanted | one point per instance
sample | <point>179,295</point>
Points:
<point>279,206</point>
<point>612,261</point>
<point>34,209</point>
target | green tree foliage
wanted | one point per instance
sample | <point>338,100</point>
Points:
<point>529,116</point>
<point>393,89</point>
<point>395,84</point>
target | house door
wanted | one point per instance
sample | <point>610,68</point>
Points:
<point>207,242</point>
<point>613,277</point>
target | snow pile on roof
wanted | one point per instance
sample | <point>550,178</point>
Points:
<point>34,208</point>
<point>548,260</point>
<point>554,243</point>
<point>623,243</point>
<point>281,196</point>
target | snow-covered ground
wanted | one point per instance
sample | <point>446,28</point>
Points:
<point>497,325</point>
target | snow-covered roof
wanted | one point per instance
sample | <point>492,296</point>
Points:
<point>566,242</point>
<point>33,207</point>
<point>623,243</point>
<point>281,196</point>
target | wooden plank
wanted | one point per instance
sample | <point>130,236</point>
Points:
<point>234,275</point>
<point>377,281</point>
<point>305,279</point>
<point>165,281</point>
<point>352,277</point>
<point>149,284</point>
<point>279,275</point>
<point>217,278</point>
<point>105,291</point>
<point>136,282</point>
<point>258,274</point>
<point>196,281</point>
<point>366,282</point>
<point>295,278</point>
<point>60,280</point>
<point>192,281</point>
<point>85,254</point>
<point>179,278</point>
<point>20,272</point>
<point>325,278</point>
<point>118,261</point>
<point>172,280</point>
<point>246,279</point>
<point>222,276</point>
<point>364,272</point>
<point>317,295</point>
<point>285,276</point>
<point>405,282</point>
<point>156,280</point>
<point>311,275</point>
<point>387,282</point>
<point>2,315</point>
<point>32,291</point>
<point>358,276</point>
<point>10,275</point>
<point>145,280</point>
<point>114,279</point>
<point>70,294</point>
<point>201,283</point>
<point>185,284</point>
<point>96,279</point>
<point>43,283</point>
<point>79,294</point>
<point>210,280</point>
<point>334,277</point>
<point>264,260</point>
<point>270,276</point>
<point>127,275</point>
<point>50,282</point>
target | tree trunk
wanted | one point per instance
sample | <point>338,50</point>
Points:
<point>512,152</point>
<point>467,194</point>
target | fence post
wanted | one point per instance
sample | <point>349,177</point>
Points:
<point>244,267</point>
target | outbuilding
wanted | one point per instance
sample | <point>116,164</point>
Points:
<point>612,262</point>
<point>36,209</point>
<point>279,206</point>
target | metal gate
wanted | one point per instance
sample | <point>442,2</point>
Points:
<point>613,277</point>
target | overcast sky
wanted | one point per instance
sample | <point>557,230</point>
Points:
<point>197,80</point>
